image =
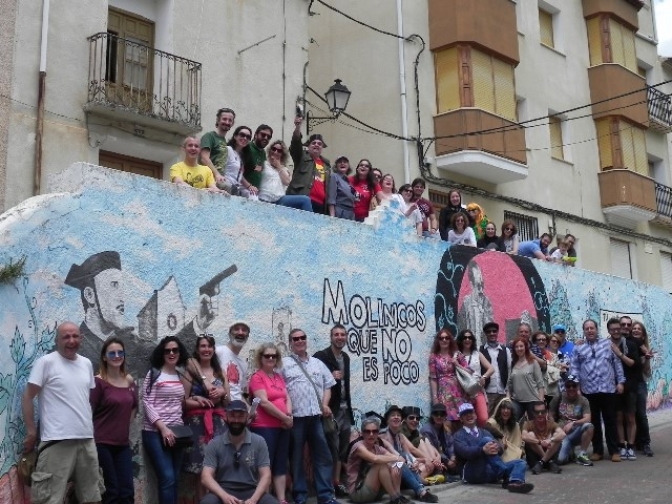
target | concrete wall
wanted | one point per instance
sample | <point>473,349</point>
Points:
<point>292,269</point>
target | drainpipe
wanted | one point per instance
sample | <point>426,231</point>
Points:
<point>40,98</point>
<point>403,97</point>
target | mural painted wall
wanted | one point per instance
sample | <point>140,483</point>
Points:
<point>141,258</point>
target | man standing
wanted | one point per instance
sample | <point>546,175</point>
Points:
<point>500,358</point>
<point>255,164</point>
<point>566,346</point>
<point>62,381</point>
<point>543,438</point>
<point>213,144</point>
<point>309,385</point>
<point>311,171</point>
<point>236,467</point>
<point>572,412</point>
<point>430,226</point>
<point>626,403</point>
<point>233,365</point>
<point>479,455</point>
<point>536,249</point>
<point>338,362</point>
<point>600,375</point>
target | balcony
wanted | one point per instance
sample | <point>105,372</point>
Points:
<point>496,156</point>
<point>663,204</point>
<point>134,83</point>
<point>616,91</point>
<point>627,197</point>
<point>660,110</point>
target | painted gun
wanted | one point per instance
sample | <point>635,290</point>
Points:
<point>211,287</point>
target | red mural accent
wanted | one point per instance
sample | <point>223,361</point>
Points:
<point>12,490</point>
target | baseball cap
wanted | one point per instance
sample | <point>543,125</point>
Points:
<point>466,408</point>
<point>559,327</point>
<point>237,405</point>
<point>341,158</point>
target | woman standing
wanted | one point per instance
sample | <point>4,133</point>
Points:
<point>275,178</point>
<point>443,384</point>
<point>408,208</point>
<point>491,241</point>
<point>510,237</point>
<point>445,216</point>
<point>114,402</point>
<point>466,344</point>
<point>552,372</point>
<point>364,183</point>
<point>341,195</point>
<point>238,151</point>
<point>526,383</point>
<point>207,392</point>
<point>162,400</point>
<point>460,233</point>
<point>274,416</point>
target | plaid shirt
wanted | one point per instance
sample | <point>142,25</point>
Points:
<point>598,368</point>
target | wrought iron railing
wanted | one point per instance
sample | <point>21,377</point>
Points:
<point>660,106</point>
<point>664,200</point>
<point>124,73</point>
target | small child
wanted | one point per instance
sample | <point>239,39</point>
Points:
<point>561,252</point>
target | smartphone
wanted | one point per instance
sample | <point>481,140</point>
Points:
<point>299,110</point>
<point>253,408</point>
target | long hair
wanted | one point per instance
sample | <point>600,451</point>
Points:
<point>284,157</point>
<point>528,355</point>
<point>511,224</point>
<point>645,335</point>
<point>460,340</point>
<point>509,424</point>
<point>214,361</point>
<point>233,143</point>
<point>457,215</point>
<point>156,359</point>
<point>370,181</point>
<point>452,346</point>
<point>450,193</point>
<point>103,363</point>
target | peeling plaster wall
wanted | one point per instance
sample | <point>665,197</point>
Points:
<point>292,269</point>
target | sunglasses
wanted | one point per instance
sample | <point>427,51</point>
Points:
<point>471,338</point>
<point>277,149</point>
<point>114,355</point>
<point>236,460</point>
<point>370,431</point>
<point>412,417</point>
<point>169,351</point>
<point>299,338</point>
<point>407,190</point>
<point>444,338</point>
<point>491,331</point>
<point>560,331</point>
<point>264,135</point>
<point>539,413</point>
<point>244,135</point>
<point>438,414</point>
<point>508,229</point>
<point>555,341</point>
<point>571,385</point>
<point>270,356</point>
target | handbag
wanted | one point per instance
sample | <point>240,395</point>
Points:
<point>28,463</point>
<point>467,381</point>
<point>184,436</point>
<point>329,423</point>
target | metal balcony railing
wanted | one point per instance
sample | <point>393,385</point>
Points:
<point>663,200</point>
<point>143,80</point>
<point>660,108</point>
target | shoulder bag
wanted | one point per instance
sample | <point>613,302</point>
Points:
<point>328,422</point>
<point>467,381</point>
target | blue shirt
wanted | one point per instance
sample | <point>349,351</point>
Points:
<point>528,248</point>
<point>597,367</point>
<point>567,348</point>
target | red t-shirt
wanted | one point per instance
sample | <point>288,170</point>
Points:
<point>276,392</point>
<point>111,407</point>
<point>426,209</point>
<point>318,194</point>
<point>361,207</point>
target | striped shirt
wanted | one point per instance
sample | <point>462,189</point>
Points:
<point>164,401</point>
<point>598,368</point>
<point>301,391</point>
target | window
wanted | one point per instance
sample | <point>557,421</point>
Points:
<point>546,28</point>
<point>130,164</point>
<point>528,227</point>
<point>666,270</point>
<point>622,145</point>
<point>621,261</point>
<point>493,85</point>
<point>555,129</point>
<point>611,42</point>
<point>633,144</point>
<point>447,80</point>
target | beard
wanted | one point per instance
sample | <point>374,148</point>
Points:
<point>236,428</point>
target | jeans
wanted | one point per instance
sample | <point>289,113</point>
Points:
<point>297,201</point>
<point>497,469</point>
<point>643,437</point>
<point>166,463</point>
<point>410,479</point>
<point>241,495</point>
<point>310,429</point>
<point>277,441</point>
<point>116,463</point>
<point>573,439</point>
<point>603,409</point>
<point>339,440</point>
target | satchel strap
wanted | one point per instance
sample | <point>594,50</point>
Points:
<point>303,370</point>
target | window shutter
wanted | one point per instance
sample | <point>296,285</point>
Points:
<point>447,80</point>
<point>604,143</point>
<point>641,159</point>
<point>505,93</point>
<point>616,42</point>
<point>620,258</point>
<point>484,94</point>
<point>629,54</point>
<point>595,41</point>
<point>627,146</point>
<point>555,128</point>
<point>546,28</point>
<point>666,270</point>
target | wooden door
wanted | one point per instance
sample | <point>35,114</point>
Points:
<point>131,164</point>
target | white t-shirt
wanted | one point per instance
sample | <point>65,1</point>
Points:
<point>233,164</point>
<point>64,407</point>
<point>235,369</point>
<point>559,254</point>
<point>271,188</point>
<point>416,216</point>
<point>466,237</point>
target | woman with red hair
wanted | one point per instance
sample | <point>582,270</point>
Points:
<point>526,383</point>
<point>443,384</point>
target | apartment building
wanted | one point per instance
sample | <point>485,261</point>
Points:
<point>593,157</point>
<point>120,83</point>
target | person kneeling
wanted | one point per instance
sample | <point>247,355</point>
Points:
<point>236,467</point>
<point>479,454</point>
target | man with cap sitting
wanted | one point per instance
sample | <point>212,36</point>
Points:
<point>440,438</point>
<point>572,412</point>
<point>479,453</point>
<point>414,469</point>
<point>236,467</point>
<point>431,456</point>
<point>311,171</point>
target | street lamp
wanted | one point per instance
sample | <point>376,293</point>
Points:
<point>337,97</point>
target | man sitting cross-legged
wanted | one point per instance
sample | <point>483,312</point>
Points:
<point>543,438</point>
<point>572,412</point>
<point>479,455</point>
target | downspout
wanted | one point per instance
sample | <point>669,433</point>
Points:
<point>40,98</point>
<point>402,96</point>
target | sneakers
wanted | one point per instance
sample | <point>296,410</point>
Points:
<point>538,468</point>
<point>630,454</point>
<point>554,467</point>
<point>623,453</point>
<point>520,487</point>
<point>596,456</point>
<point>428,497</point>
<point>616,457</point>
<point>583,460</point>
<point>340,490</point>
<point>647,450</point>
<point>403,499</point>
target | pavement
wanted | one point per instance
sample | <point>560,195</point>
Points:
<point>645,480</point>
